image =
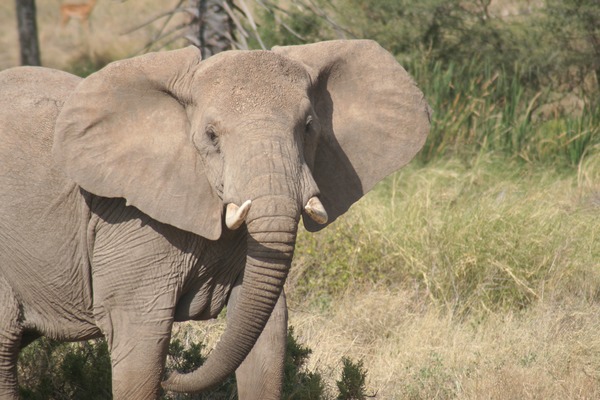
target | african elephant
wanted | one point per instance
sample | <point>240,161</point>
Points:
<point>164,187</point>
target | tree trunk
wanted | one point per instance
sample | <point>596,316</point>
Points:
<point>213,28</point>
<point>28,36</point>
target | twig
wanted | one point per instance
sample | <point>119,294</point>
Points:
<point>169,13</point>
<point>156,39</point>
<point>161,30</point>
<point>248,15</point>
<point>270,8</point>
<point>239,26</point>
<point>181,36</point>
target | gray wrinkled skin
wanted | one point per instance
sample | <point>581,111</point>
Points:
<point>112,191</point>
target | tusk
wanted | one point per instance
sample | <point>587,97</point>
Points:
<point>315,210</point>
<point>235,216</point>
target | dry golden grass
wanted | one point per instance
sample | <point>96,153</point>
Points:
<point>105,41</point>
<point>413,350</point>
<point>526,236</point>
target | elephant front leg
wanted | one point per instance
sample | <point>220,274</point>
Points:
<point>138,351</point>
<point>10,337</point>
<point>261,374</point>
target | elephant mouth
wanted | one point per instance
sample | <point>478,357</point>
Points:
<point>236,215</point>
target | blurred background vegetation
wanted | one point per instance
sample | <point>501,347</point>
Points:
<point>472,273</point>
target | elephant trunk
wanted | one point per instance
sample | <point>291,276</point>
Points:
<point>271,241</point>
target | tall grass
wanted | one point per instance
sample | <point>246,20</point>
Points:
<point>479,107</point>
<point>467,278</point>
<point>477,236</point>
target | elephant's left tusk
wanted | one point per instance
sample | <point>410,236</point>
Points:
<point>235,216</point>
<point>315,210</point>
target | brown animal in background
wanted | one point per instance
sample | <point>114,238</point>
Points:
<point>80,11</point>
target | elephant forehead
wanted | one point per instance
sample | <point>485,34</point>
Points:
<point>255,81</point>
<point>245,100</point>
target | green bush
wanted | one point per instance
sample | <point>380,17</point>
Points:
<point>186,358</point>
<point>573,28</point>
<point>86,63</point>
<point>352,383</point>
<point>298,383</point>
<point>53,370</point>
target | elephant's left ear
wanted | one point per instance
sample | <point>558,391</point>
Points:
<point>124,132</point>
<point>373,118</point>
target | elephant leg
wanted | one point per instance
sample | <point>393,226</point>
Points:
<point>138,351</point>
<point>10,338</point>
<point>261,374</point>
<point>135,292</point>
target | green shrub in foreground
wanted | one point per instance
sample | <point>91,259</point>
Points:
<point>53,370</point>
<point>298,383</point>
<point>352,383</point>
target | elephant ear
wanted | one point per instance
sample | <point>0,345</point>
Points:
<point>124,132</point>
<point>373,118</point>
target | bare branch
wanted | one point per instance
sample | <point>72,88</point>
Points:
<point>239,27</point>
<point>168,14</point>
<point>248,15</point>
<point>163,36</point>
<point>241,20</point>
<point>270,9</point>
<point>314,7</point>
<point>174,39</point>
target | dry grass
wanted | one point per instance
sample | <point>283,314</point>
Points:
<point>105,42</point>
<point>495,289</point>
<point>478,236</point>
<point>415,351</point>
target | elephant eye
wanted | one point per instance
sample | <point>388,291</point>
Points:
<point>212,134</point>
<point>213,137</point>
<point>309,121</point>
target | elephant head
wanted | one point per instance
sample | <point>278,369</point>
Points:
<point>260,137</point>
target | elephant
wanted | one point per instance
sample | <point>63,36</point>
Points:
<point>164,187</point>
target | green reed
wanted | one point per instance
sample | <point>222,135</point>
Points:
<point>478,107</point>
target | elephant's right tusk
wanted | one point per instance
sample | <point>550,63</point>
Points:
<point>235,216</point>
<point>315,210</point>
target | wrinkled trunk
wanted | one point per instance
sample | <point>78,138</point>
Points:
<point>272,225</point>
<point>267,265</point>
